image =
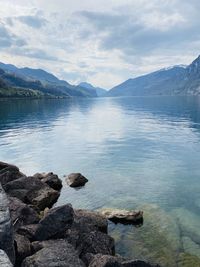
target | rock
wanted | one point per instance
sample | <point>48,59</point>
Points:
<point>188,222</point>
<point>28,231</point>
<point>32,191</point>
<point>22,248</point>
<point>138,263</point>
<point>91,218</point>
<point>56,253</point>
<point>4,260</point>
<point>100,260</point>
<point>190,246</point>
<point>96,242</point>
<point>187,260</point>
<point>9,173</point>
<point>157,241</point>
<point>55,223</point>
<point>76,180</point>
<point>51,179</point>
<point>21,213</point>
<point>6,228</point>
<point>123,216</point>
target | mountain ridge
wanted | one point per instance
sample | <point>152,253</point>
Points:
<point>40,80</point>
<point>176,80</point>
<point>100,91</point>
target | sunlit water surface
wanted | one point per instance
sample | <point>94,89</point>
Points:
<point>135,152</point>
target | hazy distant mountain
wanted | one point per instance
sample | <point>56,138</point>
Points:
<point>177,80</point>
<point>42,81</point>
<point>99,91</point>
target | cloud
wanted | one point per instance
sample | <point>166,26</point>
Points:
<point>141,33</point>
<point>33,21</point>
<point>7,39</point>
<point>104,42</point>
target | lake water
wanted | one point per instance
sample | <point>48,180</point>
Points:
<point>136,152</point>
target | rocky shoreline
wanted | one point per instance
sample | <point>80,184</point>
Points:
<point>33,234</point>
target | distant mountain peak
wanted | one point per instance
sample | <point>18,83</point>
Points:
<point>175,80</point>
<point>99,91</point>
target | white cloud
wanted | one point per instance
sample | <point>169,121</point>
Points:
<point>103,41</point>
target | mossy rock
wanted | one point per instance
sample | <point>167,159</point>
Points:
<point>157,241</point>
<point>188,260</point>
<point>188,222</point>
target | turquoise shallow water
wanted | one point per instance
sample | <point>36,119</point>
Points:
<point>134,151</point>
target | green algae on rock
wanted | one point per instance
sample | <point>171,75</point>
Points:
<point>157,241</point>
<point>187,260</point>
<point>188,222</point>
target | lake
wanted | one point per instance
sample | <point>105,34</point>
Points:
<point>138,153</point>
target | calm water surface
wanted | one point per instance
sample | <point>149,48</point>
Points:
<point>134,151</point>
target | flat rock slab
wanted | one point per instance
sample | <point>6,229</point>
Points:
<point>56,253</point>
<point>76,180</point>
<point>123,216</point>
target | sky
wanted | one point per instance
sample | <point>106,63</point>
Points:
<point>103,42</point>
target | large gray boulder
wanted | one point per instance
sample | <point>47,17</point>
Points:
<point>28,231</point>
<point>92,219</point>
<point>96,242</point>
<point>100,260</point>
<point>22,247</point>
<point>55,223</point>
<point>6,228</point>
<point>4,260</point>
<point>31,190</point>
<point>21,213</point>
<point>56,253</point>
<point>9,173</point>
<point>51,179</point>
<point>76,180</point>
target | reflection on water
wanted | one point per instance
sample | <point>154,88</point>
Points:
<point>133,150</point>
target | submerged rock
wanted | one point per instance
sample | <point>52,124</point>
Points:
<point>123,216</point>
<point>6,228</point>
<point>188,222</point>
<point>32,191</point>
<point>100,260</point>
<point>56,253</point>
<point>157,241</point>
<point>4,260</point>
<point>76,180</point>
<point>190,246</point>
<point>51,179</point>
<point>188,260</point>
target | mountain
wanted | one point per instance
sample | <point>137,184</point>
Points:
<point>177,80</point>
<point>100,91</point>
<point>42,81</point>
